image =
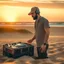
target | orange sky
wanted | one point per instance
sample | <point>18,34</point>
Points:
<point>13,12</point>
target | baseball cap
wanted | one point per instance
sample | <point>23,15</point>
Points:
<point>34,9</point>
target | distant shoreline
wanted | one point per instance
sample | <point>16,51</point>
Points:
<point>29,24</point>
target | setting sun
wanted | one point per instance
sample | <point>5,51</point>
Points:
<point>9,18</point>
<point>9,14</point>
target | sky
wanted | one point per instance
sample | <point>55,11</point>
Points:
<point>17,10</point>
<point>38,1</point>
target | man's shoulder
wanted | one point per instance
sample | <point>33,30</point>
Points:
<point>43,19</point>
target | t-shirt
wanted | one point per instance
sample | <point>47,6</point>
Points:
<point>39,30</point>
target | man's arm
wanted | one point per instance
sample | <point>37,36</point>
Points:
<point>47,32</point>
<point>31,40</point>
<point>34,37</point>
<point>43,47</point>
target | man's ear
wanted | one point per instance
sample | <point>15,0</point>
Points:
<point>38,14</point>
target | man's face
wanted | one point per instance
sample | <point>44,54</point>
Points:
<point>34,16</point>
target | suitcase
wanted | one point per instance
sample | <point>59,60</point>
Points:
<point>19,49</point>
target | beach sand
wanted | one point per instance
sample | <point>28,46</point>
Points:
<point>55,51</point>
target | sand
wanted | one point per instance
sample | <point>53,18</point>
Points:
<point>55,52</point>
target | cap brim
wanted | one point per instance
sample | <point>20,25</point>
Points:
<point>30,13</point>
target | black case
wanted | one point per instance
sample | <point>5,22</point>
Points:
<point>19,49</point>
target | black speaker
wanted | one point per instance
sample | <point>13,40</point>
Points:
<point>19,49</point>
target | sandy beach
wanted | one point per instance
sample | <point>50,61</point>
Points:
<point>18,20</point>
<point>55,52</point>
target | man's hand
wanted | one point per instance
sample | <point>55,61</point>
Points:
<point>29,41</point>
<point>43,48</point>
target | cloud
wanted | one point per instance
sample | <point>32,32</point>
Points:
<point>42,1</point>
<point>5,0</point>
<point>37,1</point>
<point>57,1</point>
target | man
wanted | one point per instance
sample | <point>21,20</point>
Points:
<point>41,33</point>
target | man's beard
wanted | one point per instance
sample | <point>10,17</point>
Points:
<point>34,18</point>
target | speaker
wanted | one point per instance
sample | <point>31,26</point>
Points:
<point>16,50</point>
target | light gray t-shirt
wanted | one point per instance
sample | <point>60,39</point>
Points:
<point>39,30</point>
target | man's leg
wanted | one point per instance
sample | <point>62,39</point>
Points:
<point>42,55</point>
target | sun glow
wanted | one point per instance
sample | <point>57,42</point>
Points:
<point>10,17</point>
<point>9,14</point>
<point>20,14</point>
